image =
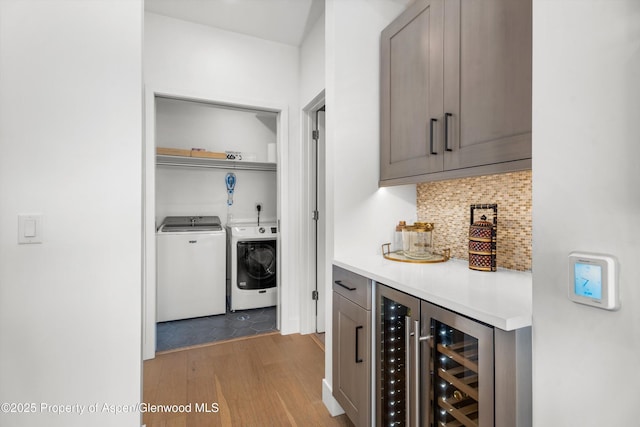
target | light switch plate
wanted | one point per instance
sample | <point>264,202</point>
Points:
<point>29,228</point>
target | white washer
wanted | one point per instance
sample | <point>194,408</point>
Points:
<point>251,266</point>
<point>190,259</point>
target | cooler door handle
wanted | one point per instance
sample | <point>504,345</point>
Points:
<point>416,368</point>
<point>407,368</point>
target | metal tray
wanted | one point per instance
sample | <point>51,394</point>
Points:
<point>399,256</point>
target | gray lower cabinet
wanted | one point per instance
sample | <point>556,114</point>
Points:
<point>456,90</point>
<point>352,345</point>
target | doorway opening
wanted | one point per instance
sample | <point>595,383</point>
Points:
<point>194,185</point>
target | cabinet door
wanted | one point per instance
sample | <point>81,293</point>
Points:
<point>352,359</point>
<point>411,92</point>
<point>487,82</point>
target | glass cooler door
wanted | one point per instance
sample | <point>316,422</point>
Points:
<point>396,362</point>
<point>460,365</point>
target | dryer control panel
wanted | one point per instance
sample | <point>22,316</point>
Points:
<point>259,231</point>
<point>268,230</point>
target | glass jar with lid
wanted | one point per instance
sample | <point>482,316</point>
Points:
<point>417,240</point>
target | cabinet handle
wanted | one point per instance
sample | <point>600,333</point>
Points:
<point>339,283</point>
<point>358,360</point>
<point>431,122</point>
<point>446,131</point>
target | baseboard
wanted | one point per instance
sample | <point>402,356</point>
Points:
<point>329,401</point>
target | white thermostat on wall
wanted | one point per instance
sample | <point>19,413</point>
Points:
<point>593,280</point>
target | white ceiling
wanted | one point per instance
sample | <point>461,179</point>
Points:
<point>284,21</point>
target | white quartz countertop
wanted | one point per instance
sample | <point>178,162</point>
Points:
<point>501,299</point>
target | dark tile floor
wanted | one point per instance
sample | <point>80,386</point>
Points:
<point>202,330</point>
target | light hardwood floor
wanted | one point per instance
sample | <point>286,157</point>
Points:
<point>265,380</point>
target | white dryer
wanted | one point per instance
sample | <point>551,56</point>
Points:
<point>191,263</point>
<point>251,266</point>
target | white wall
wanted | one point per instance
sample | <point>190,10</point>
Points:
<point>70,138</point>
<point>188,125</point>
<point>363,216</point>
<point>197,61</point>
<point>312,63</point>
<point>586,105</point>
<point>202,191</point>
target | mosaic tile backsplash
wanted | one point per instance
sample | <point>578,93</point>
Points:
<point>447,205</point>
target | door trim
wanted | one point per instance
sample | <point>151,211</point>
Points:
<point>307,304</point>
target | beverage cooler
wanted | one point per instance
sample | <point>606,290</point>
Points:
<point>459,362</point>
<point>434,367</point>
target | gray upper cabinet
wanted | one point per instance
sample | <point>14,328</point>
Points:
<point>456,90</point>
<point>412,91</point>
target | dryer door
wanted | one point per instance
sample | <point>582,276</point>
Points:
<point>256,264</point>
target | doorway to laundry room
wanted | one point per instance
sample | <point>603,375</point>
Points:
<point>216,222</point>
